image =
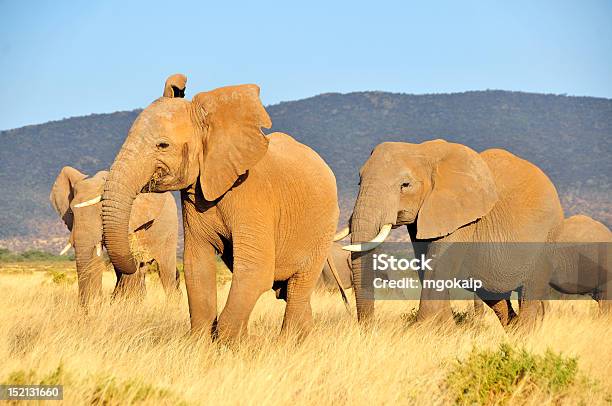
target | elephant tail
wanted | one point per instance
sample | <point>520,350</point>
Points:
<point>332,268</point>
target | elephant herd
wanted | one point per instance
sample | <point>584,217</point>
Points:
<point>267,206</point>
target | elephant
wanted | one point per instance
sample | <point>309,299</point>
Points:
<point>342,261</point>
<point>153,228</point>
<point>266,203</point>
<point>578,263</point>
<point>175,86</point>
<point>466,211</point>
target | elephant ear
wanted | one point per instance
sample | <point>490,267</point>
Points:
<point>62,193</point>
<point>232,118</point>
<point>463,190</point>
<point>146,209</point>
<point>175,85</point>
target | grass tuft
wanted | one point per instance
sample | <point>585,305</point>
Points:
<point>140,352</point>
<point>61,278</point>
<point>495,377</point>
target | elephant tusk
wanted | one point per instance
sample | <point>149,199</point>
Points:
<point>65,249</point>
<point>89,202</point>
<point>342,234</point>
<point>99,249</point>
<point>332,268</point>
<point>370,245</point>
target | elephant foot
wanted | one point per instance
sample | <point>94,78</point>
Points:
<point>435,311</point>
<point>478,308</point>
<point>130,287</point>
<point>229,334</point>
<point>530,317</point>
<point>365,311</point>
<point>204,331</point>
<point>503,310</point>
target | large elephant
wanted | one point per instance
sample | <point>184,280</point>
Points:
<point>446,193</point>
<point>267,204</point>
<point>343,279</point>
<point>153,228</point>
<point>580,265</point>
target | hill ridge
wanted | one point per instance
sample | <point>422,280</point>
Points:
<point>569,137</point>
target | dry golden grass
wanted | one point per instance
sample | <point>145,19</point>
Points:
<point>122,353</point>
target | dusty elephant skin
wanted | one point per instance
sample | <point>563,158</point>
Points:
<point>576,265</point>
<point>153,232</point>
<point>268,204</point>
<point>447,193</point>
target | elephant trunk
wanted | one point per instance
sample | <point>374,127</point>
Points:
<point>126,178</point>
<point>371,212</point>
<point>90,267</point>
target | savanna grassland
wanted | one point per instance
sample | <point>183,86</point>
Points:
<point>127,353</point>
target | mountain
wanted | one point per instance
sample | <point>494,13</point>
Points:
<point>570,138</point>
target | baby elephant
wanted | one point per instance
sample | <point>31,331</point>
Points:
<point>579,265</point>
<point>153,232</point>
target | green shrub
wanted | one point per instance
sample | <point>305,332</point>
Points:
<point>31,256</point>
<point>460,317</point>
<point>492,377</point>
<point>110,391</point>
<point>58,376</point>
<point>59,277</point>
<point>98,389</point>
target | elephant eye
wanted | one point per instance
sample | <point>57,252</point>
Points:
<point>405,185</point>
<point>163,145</point>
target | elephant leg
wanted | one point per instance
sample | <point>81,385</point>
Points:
<point>502,309</point>
<point>531,304</point>
<point>130,286</point>
<point>245,290</point>
<point>434,303</point>
<point>90,281</point>
<point>201,283</point>
<point>478,307</point>
<point>168,273</point>
<point>253,274</point>
<point>298,313</point>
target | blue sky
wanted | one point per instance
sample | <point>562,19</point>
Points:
<point>61,59</point>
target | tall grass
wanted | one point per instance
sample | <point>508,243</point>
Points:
<point>126,353</point>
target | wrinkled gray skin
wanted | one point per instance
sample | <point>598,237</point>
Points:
<point>153,227</point>
<point>445,194</point>
<point>581,267</point>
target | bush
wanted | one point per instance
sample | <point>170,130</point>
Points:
<point>110,390</point>
<point>31,256</point>
<point>59,278</point>
<point>493,377</point>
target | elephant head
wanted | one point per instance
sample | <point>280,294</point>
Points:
<point>76,199</point>
<point>436,186</point>
<point>174,144</point>
<point>175,85</point>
